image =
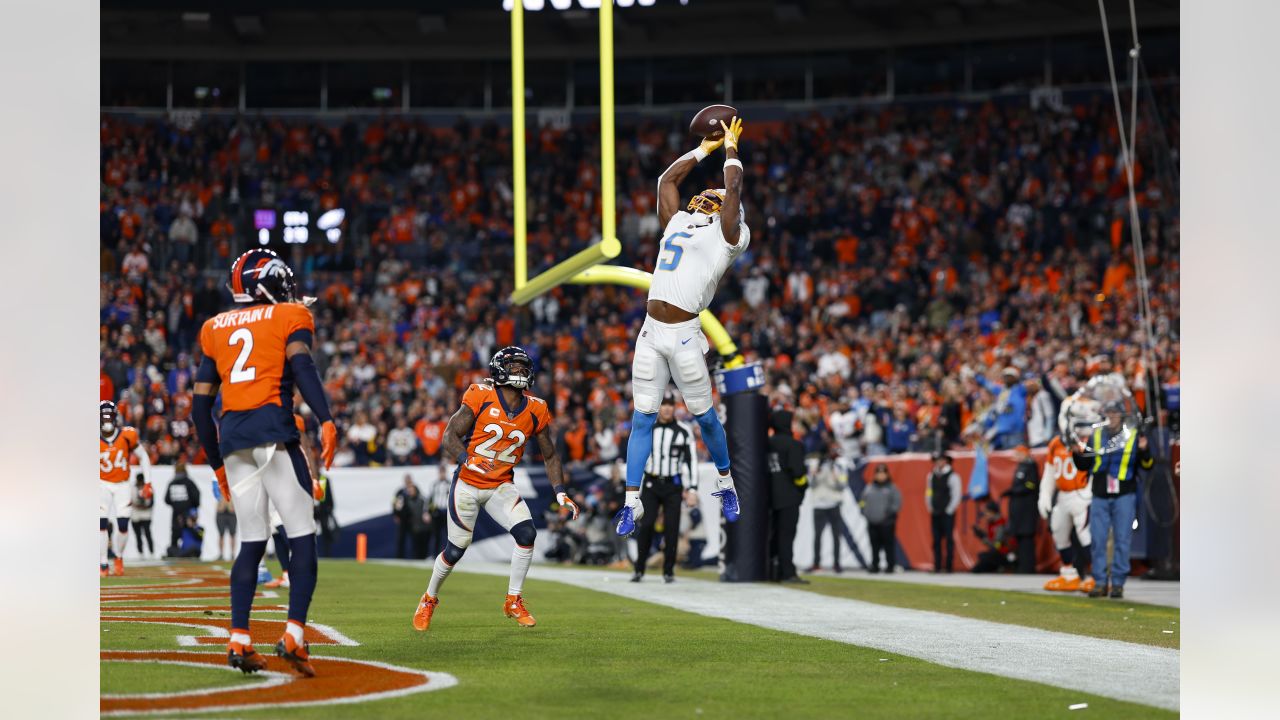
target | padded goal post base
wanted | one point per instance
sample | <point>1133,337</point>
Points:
<point>744,545</point>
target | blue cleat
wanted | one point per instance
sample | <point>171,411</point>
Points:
<point>728,503</point>
<point>624,523</point>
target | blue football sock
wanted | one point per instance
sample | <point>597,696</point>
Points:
<point>639,446</point>
<point>282,548</point>
<point>713,436</point>
<point>244,581</point>
<point>302,575</point>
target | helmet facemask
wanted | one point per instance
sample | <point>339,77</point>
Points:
<point>107,421</point>
<point>519,374</point>
<point>707,202</point>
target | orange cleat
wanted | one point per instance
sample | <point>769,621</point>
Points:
<point>298,656</point>
<point>244,658</point>
<point>422,616</point>
<point>282,581</point>
<point>514,608</point>
<point>1063,584</point>
<point>102,571</point>
<point>1088,584</point>
<point>119,565</point>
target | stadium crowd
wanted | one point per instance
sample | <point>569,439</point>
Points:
<point>920,276</point>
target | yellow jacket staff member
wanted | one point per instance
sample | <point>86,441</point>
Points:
<point>1114,473</point>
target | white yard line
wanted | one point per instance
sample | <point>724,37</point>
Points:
<point>1150,592</point>
<point>1109,668</point>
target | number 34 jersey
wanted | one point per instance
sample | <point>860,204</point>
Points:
<point>500,434</point>
<point>113,455</point>
<point>247,348</point>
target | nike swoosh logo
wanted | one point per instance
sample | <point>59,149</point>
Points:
<point>685,342</point>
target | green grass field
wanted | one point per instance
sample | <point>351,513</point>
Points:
<point>128,678</point>
<point>596,655</point>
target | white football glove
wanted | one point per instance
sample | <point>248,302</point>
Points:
<point>1045,506</point>
<point>565,501</point>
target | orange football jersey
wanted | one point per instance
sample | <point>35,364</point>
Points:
<point>500,434</point>
<point>1061,469</point>
<point>248,348</point>
<point>113,456</point>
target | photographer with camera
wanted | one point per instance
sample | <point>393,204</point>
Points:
<point>993,531</point>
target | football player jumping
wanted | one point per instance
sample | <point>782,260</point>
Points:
<point>115,492</point>
<point>254,355</point>
<point>698,246</point>
<point>487,435</point>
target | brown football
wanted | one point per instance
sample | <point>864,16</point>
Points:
<point>707,122</point>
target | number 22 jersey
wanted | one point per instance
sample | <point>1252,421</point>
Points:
<point>500,434</point>
<point>247,348</point>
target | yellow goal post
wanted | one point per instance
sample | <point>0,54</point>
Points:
<point>588,266</point>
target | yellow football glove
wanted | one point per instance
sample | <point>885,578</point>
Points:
<point>732,133</point>
<point>710,145</point>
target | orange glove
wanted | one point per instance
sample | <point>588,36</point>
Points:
<point>328,443</point>
<point>317,490</point>
<point>223,486</point>
<point>146,491</point>
<point>480,465</point>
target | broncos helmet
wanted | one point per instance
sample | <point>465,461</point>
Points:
<point>108,420</point>
<point>259,275</point>
<point>502,372</point>
<point>707,202</point>
<point>1079,417</point>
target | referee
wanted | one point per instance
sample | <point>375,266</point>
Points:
<point>670,462</point>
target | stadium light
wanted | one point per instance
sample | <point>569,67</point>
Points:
<point>331,219</point>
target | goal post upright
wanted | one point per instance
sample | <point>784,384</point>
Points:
<point>587,267</point>
<point>608,144</point>
<point>520,229</point>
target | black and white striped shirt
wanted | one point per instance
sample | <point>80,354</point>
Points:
<point>673,450</point>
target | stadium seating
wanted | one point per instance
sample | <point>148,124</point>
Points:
<point>898,250</point>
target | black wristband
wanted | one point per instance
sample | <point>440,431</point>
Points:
<point>559,489</point>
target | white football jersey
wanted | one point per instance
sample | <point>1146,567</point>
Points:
<point>692,257</point>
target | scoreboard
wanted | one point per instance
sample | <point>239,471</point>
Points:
<point>275,226</point>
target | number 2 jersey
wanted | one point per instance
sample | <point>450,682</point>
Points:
<point>500,434</point>
<point>247,349</point>
<point>692,257</point>
<point>114,454</point>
